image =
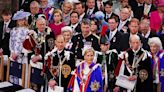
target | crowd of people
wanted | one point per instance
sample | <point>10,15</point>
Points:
<point>88,45</point>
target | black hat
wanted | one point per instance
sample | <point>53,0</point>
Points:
<point>104,40</point>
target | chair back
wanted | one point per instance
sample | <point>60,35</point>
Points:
<point>35,78</point>
<point>16,73</point>
<point>1,68</point>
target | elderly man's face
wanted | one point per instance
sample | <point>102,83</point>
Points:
<point>34,9</point>
<point>67,7</point>
<point>90,4</point>
<point>41,25</point>
<point>154,48</point>
<point>135,43</point>
<point>44,3</point>
<point>144,26</point>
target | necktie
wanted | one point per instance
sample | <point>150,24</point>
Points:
<point>107,16</point>
<point>111,34</point>
<point>4,31</point>
<point>89,11</point>
<point>146,9</point>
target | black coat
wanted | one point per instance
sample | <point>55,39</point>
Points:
<point>4,43</point>
<point>111,65</point>
<point>113,14</point>
<point>115,42</point>
<point>25,5</point>
<point>144,65</point>
<point>78,44</point>
<point>71,63</point>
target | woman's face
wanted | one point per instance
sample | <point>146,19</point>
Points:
<point>57,17</point>
<point>93,26</point>
<point>67,8</point>
<point>67,35</point>
<point>88,56</point>
<point>21,22</point>
<point>154,48</point>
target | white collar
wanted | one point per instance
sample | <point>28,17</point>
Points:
<point>148,5</point>
<point>135,52</point>
<point>123,21</point>
<point>114,31</point>
<point>7,23</point>
<point>82,14</point>
<point>147,34</point>
<point>59,51</point>
<point>91,10</point>
<point>108,14</point>
<point>75,25</point>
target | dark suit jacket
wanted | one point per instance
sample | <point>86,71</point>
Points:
<point>152,34</point>
<point>115,42</point>
<point>4,43</point>
<point>91,15</point>
<point>126,25</point>
<point>26,5</point>
<point>138,12</point>
<point>78,28</point>
<point>79,41</point>
<point>113,14</point>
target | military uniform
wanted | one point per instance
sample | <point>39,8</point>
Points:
<point>79,41</point>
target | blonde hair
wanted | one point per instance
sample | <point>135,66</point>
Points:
<point>87,49</point>
<point>57,11</point>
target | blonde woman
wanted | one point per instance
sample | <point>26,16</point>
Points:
<point>18,35</point>
<point>88,76</point>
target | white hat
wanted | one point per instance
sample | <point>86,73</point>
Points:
<point>86,47</point>
<point>66,28</point>
<point>20,15</point>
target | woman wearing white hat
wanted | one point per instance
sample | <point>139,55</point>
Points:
<point>17,37</point>
<point>67,33</point>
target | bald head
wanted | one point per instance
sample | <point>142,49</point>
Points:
<point>135,42</point>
